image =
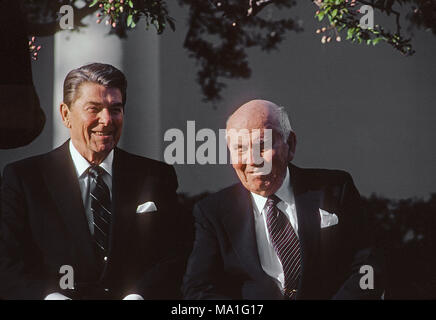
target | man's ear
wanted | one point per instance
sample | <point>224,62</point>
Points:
<point>292,143</point>
<point>65,114</point>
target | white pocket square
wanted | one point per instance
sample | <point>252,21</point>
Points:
<point>147,207</point>
<point>328,219</point>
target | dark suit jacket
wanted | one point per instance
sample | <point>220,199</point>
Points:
<point>224,263</point>
<point>43,226</point>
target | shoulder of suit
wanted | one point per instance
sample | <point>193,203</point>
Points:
<point>30,163</point>
<point>135,160</point>
<point>222,197</point>
<point>325,176</point>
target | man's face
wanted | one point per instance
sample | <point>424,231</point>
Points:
<point>95,120</point>
<point>262,157</point>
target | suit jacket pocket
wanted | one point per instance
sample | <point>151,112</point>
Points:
<point>330,239</point>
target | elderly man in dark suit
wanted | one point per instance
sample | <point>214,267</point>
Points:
<point>88,207</point>
<point>283,232</point>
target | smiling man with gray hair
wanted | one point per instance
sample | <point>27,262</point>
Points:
<point>106,215</point>
<point>283,233</point>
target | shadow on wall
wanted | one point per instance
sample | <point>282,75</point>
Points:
<point>404,231</point>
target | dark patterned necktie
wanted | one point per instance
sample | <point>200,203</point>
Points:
<point>101,211</point>
<point>285,243</point>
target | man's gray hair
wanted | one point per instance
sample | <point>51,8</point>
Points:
<point>283,118</point>
<point>100,73</point>
<point>285,125</point>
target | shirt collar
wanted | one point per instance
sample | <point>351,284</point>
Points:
<point>259,202</point>
<point>284,193</point>
<point>81,164</point>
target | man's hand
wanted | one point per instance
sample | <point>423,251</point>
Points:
<point>56,296</point>
<point>133,297</point>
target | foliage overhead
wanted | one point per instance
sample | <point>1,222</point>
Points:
<point>43,15</point>
<point>220,31</point>
<point>219,34</point>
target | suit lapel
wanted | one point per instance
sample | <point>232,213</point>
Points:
<point>307,203</point>
<point>62,182</point>
<point>124,193</point>
<point>239,223</point>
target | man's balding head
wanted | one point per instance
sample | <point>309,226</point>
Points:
<point>256,112</point>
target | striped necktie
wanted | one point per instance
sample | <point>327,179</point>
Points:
<point>285,243</point>
<point>101,211</point>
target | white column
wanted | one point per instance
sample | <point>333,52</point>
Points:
<point>142,122</point>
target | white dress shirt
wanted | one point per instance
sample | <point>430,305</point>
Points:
<point>268,257</point>
<point>81,165</point>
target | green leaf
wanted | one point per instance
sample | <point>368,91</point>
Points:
<point>130,3</point>
<point>321,15</point>
<point>334,13</point>
<point>93,3</point>
<point>350,33</point>
<point>129,20</point>
<point>376,40</point>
